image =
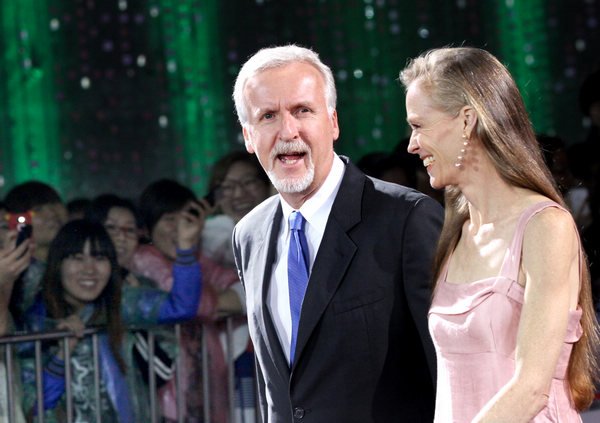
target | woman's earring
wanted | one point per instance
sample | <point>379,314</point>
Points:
<point>463,150</point>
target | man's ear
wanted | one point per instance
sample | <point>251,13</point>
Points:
<point>247,141</point>
<point>336,128</point>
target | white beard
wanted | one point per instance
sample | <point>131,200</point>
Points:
<point>292,185</point>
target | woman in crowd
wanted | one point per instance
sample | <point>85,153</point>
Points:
<point>512,316</point>
<point>240,184</point>
<point>121,221</point>
<point>82,287</point>
<point>159,204</point>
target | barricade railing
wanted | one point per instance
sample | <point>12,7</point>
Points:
<point>9,343</point>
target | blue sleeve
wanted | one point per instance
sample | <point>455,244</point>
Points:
<point>53,383</point>
<point>184,297</point>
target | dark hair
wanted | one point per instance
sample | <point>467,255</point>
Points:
<point>69,241</point>
<point>221,167</point>
<point>377,163</point>
<point>589,92</point>
<point>25,196</point>
<point>78,205</point>
<point>161,197</point>
<point>100,206</point>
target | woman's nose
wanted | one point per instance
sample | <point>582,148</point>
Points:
<point>413,145</point>
<point>89,265</point>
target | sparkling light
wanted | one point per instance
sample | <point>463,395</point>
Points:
<point>54,24</point>
<point>163,121</point>
<point>85,83</point>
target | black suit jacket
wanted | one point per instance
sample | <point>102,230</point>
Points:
<point>363,351</point>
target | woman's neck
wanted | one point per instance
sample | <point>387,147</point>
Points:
<point>491,199</point>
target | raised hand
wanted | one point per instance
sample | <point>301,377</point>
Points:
<point>190,223</point>
<point>13,261</point>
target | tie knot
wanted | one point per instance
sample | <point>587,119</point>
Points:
<point>297,221</point>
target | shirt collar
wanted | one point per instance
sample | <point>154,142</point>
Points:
<point>316,209</point>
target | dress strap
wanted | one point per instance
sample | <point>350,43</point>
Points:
<point>512,259</point>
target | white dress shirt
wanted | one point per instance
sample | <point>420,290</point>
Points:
<point>316,212</point>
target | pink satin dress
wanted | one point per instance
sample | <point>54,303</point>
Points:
<point>474,329</point>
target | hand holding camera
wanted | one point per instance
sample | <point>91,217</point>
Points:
<point>22,223</point>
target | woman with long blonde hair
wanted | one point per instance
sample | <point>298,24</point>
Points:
<point>511,316</point>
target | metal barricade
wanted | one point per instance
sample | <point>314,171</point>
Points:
<point>38,338</point>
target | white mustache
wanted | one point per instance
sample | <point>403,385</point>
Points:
<point>287,147</point>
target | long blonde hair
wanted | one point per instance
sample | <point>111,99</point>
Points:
<point>460,76</point>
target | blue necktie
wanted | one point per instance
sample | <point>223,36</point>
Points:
<point>297,273</point>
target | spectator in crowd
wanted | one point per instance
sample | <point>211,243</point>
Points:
<point>121,221</point>
<point>575,193</point>
<point>48,214</point>
<point>589,101</point>
<point>13,261</point>
<point>82,287</point>
<point>396,167</point>
<point>240,184</point>
<point>160,203</point>
<point>77,207</point>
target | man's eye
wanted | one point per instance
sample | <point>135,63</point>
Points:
<point>268,116</point>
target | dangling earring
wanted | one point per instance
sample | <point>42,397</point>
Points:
<point>463,151</point>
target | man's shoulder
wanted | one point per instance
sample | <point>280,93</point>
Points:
<point>256,217</point>
<point>396,192</point>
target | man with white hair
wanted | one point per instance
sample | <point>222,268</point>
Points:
<point>335,267</point>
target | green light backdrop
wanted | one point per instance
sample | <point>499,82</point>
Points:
<point>198,96</point>
<point>30,139</point>
<point>100,96</point>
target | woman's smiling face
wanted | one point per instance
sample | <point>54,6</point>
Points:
<point>436,136</point>
<point>84,276</point>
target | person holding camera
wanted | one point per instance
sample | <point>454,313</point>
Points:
<point>40,206</point>
<point>160,204</point>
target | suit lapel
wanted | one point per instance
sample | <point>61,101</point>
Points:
<point>334,256</point>
<point>266,255</point>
